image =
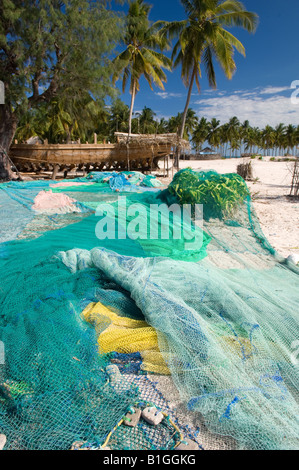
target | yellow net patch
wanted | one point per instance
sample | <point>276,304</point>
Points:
<point>126,336</point>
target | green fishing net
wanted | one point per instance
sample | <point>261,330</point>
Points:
<point>225,311</point>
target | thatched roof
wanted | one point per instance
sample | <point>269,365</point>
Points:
<point>152,139</point>
<point>207,150</point>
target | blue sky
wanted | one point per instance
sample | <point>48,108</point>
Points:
<point>260,90</point>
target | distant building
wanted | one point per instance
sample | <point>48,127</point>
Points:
<point>207,151</point>
<point>207,154</point>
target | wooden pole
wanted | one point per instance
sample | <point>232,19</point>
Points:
<point>55,171</point>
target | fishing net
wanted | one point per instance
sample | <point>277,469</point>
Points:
<point>216,321</point>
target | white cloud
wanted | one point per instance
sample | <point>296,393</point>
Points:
<point>165,95</point>
<point>272,90</point>
<point>261,106</point>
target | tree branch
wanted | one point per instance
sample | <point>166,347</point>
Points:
<point>51,91</point>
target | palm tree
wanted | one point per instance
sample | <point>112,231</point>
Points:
<point>191,122</point>
<point>203,37</point>
<point>224,139</point>
<point>244,131</point>
<point>290,136</point>
<point>163,127</point>
<point>64,119</point>
<point>147,122</point>
<point>251,139</point>
<point>119,117</point>
<point>279,135</point>
<point>233,133</point>
<point>297,137</point>
<point>268,137</point>
<point>140,56</point>
<point>174,123</point>
<point>29,125</point>
<point>200,133</point>
<point>214,138</point>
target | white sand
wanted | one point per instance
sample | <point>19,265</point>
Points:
<point>278,214</point>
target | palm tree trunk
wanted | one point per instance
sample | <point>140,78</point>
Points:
<point>181,135</point>
<point>187,105</point>
<point>69,134</point>
<point>132,106</point>
<point>130,122</point>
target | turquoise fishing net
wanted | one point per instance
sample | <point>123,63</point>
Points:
<point>226,314</point>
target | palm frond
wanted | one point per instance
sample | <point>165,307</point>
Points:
<point>209,66</point>
<point>243,19</point>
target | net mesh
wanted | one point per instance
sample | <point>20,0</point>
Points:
<point>224,316</point>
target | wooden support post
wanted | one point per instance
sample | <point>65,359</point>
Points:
<point>128,158</point>
<point>152,159</point>
<point>95,136</point>
<point>295,181</point>
<point>87,168</point>
<point>55,171</point>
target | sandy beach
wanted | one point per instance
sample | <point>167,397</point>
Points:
<point>278,214</point>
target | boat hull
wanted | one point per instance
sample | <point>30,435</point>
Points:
<point>87,157</point>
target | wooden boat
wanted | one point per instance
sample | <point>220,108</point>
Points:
<point>137,152</point>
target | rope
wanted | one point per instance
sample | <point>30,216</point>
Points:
<point>166,416</point>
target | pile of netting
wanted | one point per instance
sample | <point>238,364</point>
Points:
<point>114,302</point>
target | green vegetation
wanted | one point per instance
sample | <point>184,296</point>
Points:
<point>203,38</point>
<point>230,137</point>
<point>140,56</point>
<point>51,50</point>
<point>60,59</point>
<point>53,122</point>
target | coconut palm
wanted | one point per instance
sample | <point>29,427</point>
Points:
<point>174,123</point>
<point>223,131</point>
<point>140,56</point>
<point>163,126</point>
<point>279,136</point>
<point>297,137</point>
<point>147,122</point>
<point>214,137</point>
<point>268,138</point>
<point>200,133</point>
<point>203,37</point>
<point>233,133</point>
<point>290,137</point>
<point>119,117</point>
<point>244,130</point>
<point>191,121</point>
<point>30,125</point>
<point>251,139</point>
